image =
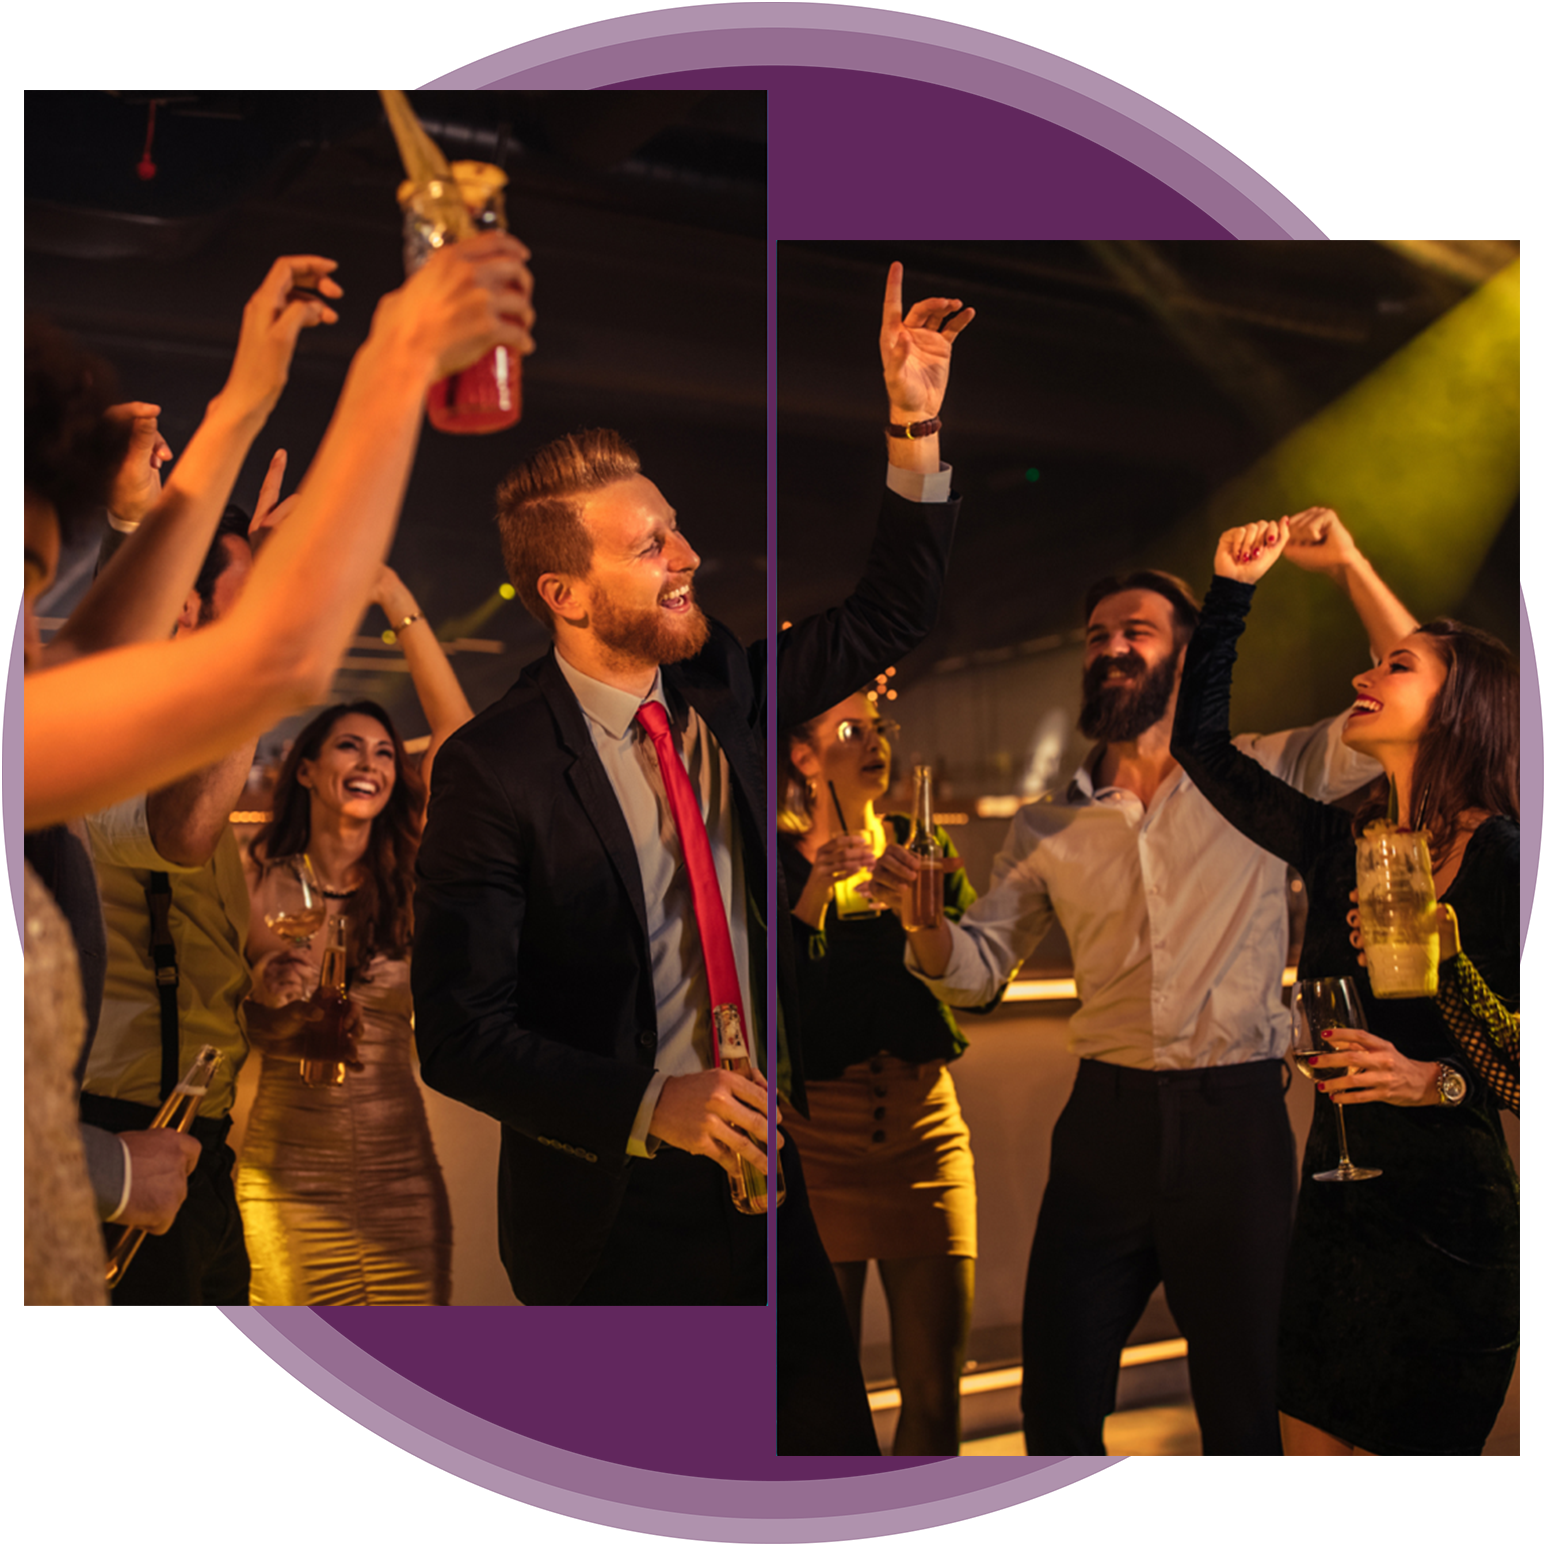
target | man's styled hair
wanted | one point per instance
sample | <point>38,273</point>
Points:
<point>540,530</point>
<point>1175,590</point>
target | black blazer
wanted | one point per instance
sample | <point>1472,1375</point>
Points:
<point>533,997</point>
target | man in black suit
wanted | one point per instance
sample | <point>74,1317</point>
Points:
<point>558,975</point>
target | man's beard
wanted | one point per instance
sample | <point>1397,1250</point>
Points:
<point>1123,713</point>
<point>649,634</point>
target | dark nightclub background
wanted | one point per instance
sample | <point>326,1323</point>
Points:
<point>644,212</point>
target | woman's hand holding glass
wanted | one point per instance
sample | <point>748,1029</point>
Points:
<point>1379,1072</point>
<point>281,1009</point>
<point>839,857</point>
<point>1366,1068</point>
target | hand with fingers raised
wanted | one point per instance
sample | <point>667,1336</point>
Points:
<point>1246,553</point>
<point>137,483</point>
<point>1317,540</point>
<point>271,509</point>
<point>915,350</point>
<point>294,295</point>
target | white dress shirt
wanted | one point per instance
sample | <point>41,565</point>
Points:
<point>1177,923</point>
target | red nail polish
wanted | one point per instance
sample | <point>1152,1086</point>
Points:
<point>1321,1088</point>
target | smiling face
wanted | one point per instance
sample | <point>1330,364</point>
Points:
<point>638,595</point>
<point>1395,697</point>
<point>1130,662</point>
<point>847,746</point>
<point>354,771</point>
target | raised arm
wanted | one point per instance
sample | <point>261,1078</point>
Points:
<point>1259,804</point>
<point>1318,541</point>
<point>142,588</point>
<point>103,726</point>
<point>822,659</point>
<point>441,697</point>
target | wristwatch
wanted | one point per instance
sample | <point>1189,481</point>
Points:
<point>1451,1085</point>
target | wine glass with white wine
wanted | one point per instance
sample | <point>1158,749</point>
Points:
<point>1322,1006</point>
<point>297,908</point>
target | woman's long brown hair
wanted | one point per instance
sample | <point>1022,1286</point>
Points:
<point>380,913</point>
<point>1468,756</point>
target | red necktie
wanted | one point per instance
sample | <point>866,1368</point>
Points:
<point>708,904</point>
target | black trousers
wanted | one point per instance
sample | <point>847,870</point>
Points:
<point>1182,1177</point>
<point>678,1239</point>
<point>202,1258</point>
<point>822,1405</point>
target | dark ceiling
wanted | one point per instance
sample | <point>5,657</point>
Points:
<point>1132,379</point>
<point>645,213</point>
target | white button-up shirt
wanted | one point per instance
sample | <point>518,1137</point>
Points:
<point>1178,924</point>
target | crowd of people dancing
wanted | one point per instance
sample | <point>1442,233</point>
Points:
<point>562,905</point>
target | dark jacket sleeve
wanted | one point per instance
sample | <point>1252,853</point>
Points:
<point>1273,814</point>
<point>470,913</point>
<point>822,659</point>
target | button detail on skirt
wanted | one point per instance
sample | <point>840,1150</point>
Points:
<point>877,1136</point>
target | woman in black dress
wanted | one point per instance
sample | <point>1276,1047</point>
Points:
<point>1400,1322</point>
<point>886,1153</point>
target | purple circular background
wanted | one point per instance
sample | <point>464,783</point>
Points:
<point>594,1414</point>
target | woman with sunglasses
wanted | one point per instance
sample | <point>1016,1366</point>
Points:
<point>886,1153</point>
<point>1400,1319</point>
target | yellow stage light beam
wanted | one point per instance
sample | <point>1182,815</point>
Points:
<point>1420,458</point>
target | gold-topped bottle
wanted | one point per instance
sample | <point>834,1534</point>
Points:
<point>748,1187</point>
<point>928,900</point>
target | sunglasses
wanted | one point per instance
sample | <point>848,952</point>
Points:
<point>851,730</point>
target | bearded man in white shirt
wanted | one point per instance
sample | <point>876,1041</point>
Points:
<point>1173,1160</point>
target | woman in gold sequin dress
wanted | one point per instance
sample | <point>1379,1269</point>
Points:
<point>341,1195</point>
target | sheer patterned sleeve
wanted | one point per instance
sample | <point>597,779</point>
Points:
<point>1273,814</point>
<point>1483,1028</point>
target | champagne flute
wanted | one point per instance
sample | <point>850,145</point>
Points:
<point>1322,1006</point>
<point>298,908</point>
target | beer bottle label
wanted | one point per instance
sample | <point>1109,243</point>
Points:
<point>730,1033</point>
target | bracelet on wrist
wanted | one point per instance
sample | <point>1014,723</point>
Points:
<point>407,622</point>
<point>919,429</point>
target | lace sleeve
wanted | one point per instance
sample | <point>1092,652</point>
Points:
<point>1485,1032</point>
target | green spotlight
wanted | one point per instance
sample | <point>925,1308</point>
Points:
<point>1033,475</point>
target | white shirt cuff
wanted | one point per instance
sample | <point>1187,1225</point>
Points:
<point>128,1184</point>
<point>924,488</point>
<point>640,1144</point>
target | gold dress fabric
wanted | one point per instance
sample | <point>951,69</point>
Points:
<point>64,1257</point>
<point>341,1194</point>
